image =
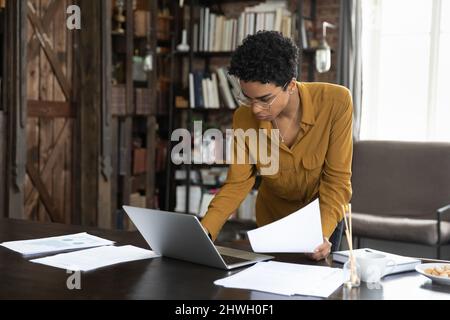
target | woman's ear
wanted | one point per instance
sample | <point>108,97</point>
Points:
<point>291,86</point>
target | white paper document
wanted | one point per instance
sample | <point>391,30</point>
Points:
<point>56,244</point>
<point>286,279</point>
<point>300,231</point>
<point>90,259</point>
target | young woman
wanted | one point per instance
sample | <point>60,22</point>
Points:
<point>315,139</point>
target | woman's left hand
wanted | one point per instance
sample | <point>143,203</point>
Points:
<point>322,251</point>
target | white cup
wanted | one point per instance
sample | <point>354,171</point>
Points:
<point>374,266</point>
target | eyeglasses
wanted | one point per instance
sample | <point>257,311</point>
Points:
<point>243,100</point>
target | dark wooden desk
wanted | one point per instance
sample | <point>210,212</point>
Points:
<point>160,278</point>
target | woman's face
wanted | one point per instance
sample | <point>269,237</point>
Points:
<point>266,100</point>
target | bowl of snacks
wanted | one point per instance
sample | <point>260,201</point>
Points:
<point>438,272</point>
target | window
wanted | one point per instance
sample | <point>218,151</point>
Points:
<point>406,50</point>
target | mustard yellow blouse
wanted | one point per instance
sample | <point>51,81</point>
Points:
<point>318,164</point>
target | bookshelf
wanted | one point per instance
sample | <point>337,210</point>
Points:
<point>307,37</point>
<point>133,99</point>
<point>210,51</point>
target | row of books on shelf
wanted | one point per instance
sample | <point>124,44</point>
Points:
<point>208,177</point>
<point>199,202</point>
<point>212,90</point>
<point>216,32</point>
<point>161,148</point>
<point>142,105</point>
<point>163,29</point>
<point>139,161</point>
<point>206,151</point>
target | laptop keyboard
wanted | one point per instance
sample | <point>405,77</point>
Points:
<point>232,260</point>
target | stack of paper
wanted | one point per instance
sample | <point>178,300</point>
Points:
<point>100,254</point>
<point>300,231</point>
<point>402,264</point>
<point>286,279</point>
<point>90,259</point>
<point>56,244</point>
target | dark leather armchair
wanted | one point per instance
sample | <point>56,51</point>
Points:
<point>401,192</point>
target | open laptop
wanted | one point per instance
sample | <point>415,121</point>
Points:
<point>181,236</point>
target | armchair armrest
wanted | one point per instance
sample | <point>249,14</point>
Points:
<point>441,212</point>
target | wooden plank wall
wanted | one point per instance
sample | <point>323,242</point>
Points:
<point>89,95</point>
<point>76,172</point>
<point>65,148</point>
<point>15,106</point>
<point>43,132</point>
<point>31,203</point>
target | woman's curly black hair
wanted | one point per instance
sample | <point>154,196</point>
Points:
<point>265,57</point>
